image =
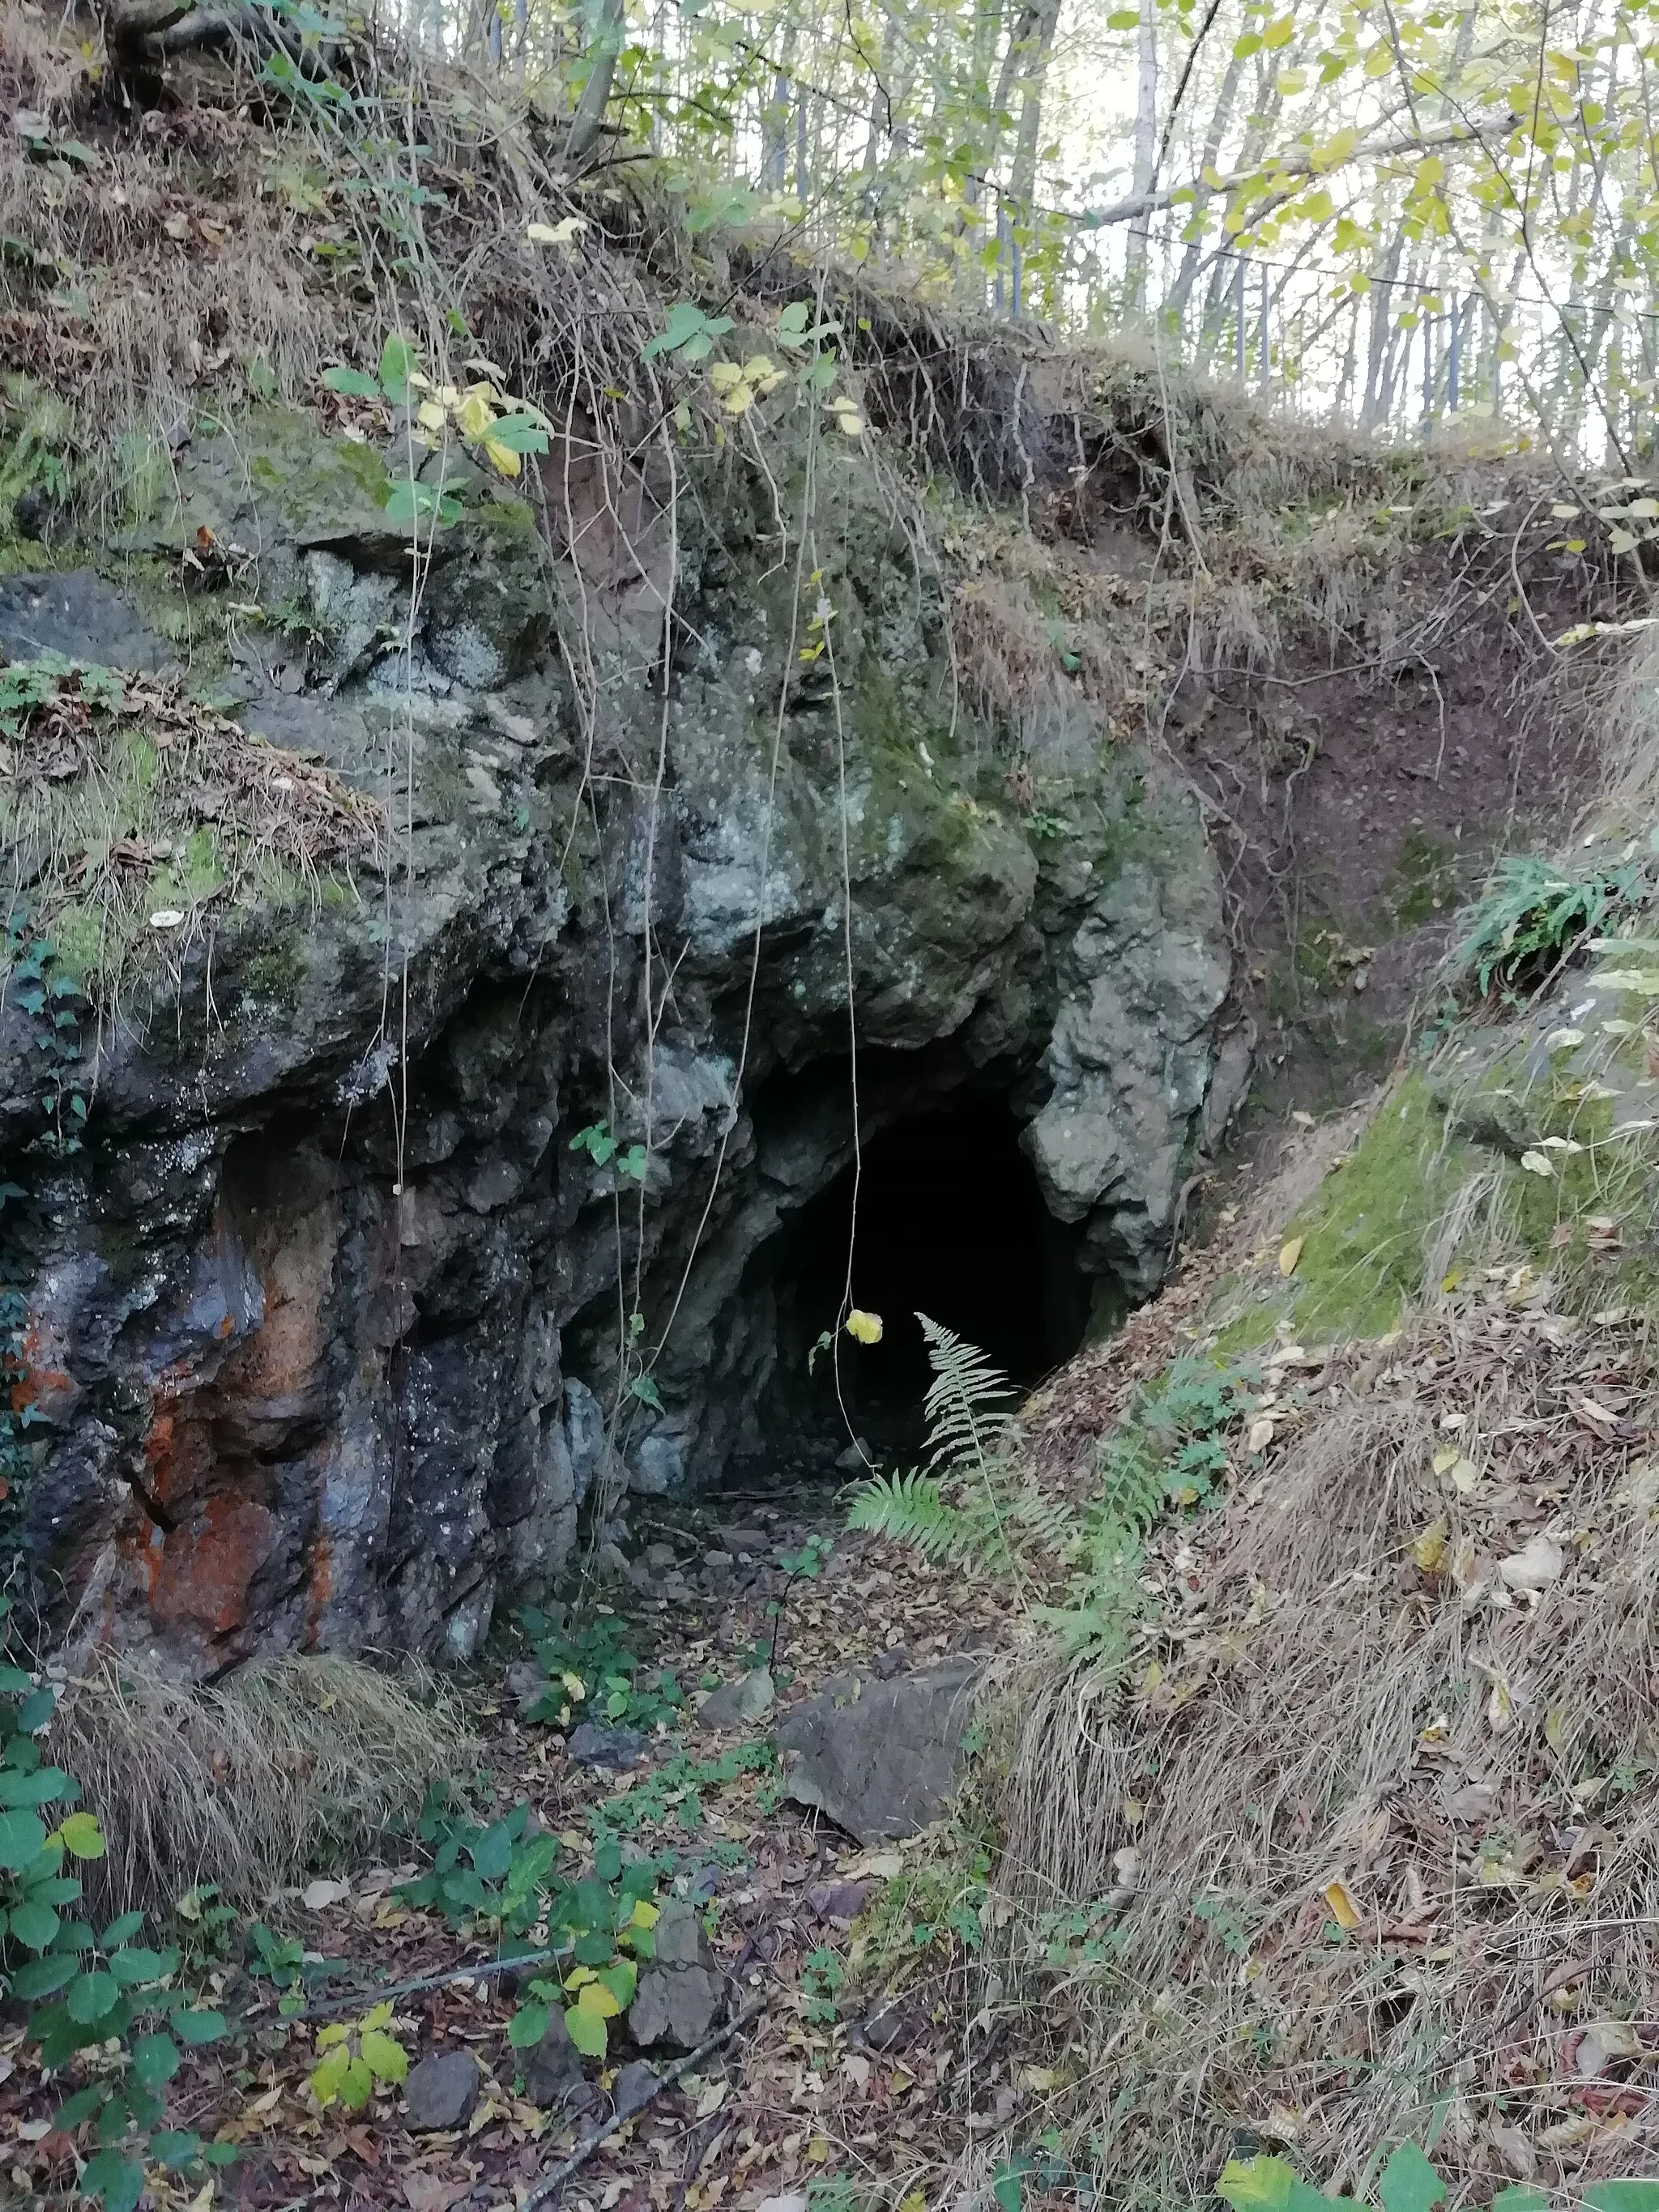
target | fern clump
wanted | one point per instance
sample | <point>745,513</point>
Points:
<point>974,1501</point>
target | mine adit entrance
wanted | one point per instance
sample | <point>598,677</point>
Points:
<point>942,1216</point>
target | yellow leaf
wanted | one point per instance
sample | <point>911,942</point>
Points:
<point>818,2150</point>
<point>758,369</point>
<point>645,1914</point>
<point>1151,1679</point>
<point>474,415</point>
<point>736,402</point>
<point>430,414</point>
<point>1290,1254</point>
<point>1555,1727</point>
<point>1430,1549</point>
<point>502,458</point>
<point>725,375</point>
<point>850,425</point>
<point>865,1326</point>
<point>576,1686</point>
<point>556,233</point>
<point>596,1998</point>
<point>1344,1911</point>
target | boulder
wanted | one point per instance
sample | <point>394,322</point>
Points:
<point>679,1994</point>
<point>883,1762</point>
<point>440,2092</point>
<point>553,2076</point>
<point>739,1703</point>
<point>595,1743</point>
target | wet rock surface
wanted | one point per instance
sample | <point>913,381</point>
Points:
<point>326,1305</point>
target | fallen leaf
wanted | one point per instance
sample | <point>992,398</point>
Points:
<point>1344,1911</point>
<point>1429,1550</point>
<point>1260,1434</point>
<point>1538,1163</point>
<point>320,1895</point>
<point>1290,1254</point>
<point>426,2192</point>
<point>1535,1566</point>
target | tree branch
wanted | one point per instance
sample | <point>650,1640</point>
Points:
<point>1304,165</point>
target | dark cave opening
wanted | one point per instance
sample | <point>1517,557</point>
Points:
<point>950,1222</point>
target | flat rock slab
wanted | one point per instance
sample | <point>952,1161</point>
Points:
<point>679,1995</point>
<point>77,614</point>
<point>885,1762</point>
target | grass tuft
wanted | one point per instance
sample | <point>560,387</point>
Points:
<point>287,1766</point>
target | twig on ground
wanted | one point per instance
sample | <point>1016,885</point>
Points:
<point>554,2178</point>
<point>485,1970</point>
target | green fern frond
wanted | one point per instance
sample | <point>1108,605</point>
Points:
<point>1131,1492</point>
<point>969,1403</point>
<point>912,1509</point>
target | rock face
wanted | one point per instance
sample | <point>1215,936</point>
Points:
<point>323,1345</point>
<point>883,1759</point>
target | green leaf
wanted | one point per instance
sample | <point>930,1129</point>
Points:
<point>22,1837</point>
<point>519,433</point>
<point>387,2058</point>
<point>199,2026</point>
<point>607,1860</point>
<point>491,1853</point>
<point>36,1711</point>
<point>620,1977</point>
<point>351,383</point>
<point>527,2026</point>
<point>1259,2185</point>
<point>1519,2199</point>
<point>174,2147</point>
<point>39,1788</point>
<point>91,1997</point>
<point>117,2182</point>
<point>34,1924</point>
<point>1617,2197</point>
<point>135,1964</point>
<point>80,2106</point>
<point>122,1930</point>
<point>1409,2183</point>
<point>586,2031</point>
<point>398,361</point>
<point>81,1836</point>
<point>155,2060</point>
<point>38,1978</point>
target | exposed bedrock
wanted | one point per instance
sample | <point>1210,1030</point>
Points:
<point>326,1312</point>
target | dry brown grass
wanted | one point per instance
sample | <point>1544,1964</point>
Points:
<point>289,1764</point>
<point>1471,1764</point>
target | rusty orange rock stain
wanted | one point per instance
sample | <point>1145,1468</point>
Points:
<point>321,1590</point>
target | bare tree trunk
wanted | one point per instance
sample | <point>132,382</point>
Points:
<point>1146,148</point>
<point>596,93</point>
